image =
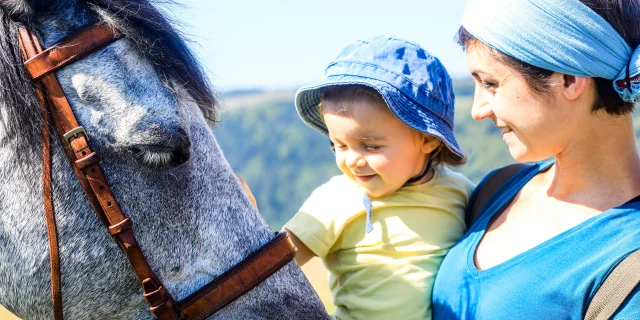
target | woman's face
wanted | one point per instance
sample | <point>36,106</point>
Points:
<point>534,126</point>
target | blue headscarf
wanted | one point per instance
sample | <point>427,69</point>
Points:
<point>563,36</point>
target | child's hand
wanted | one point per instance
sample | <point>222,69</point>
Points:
<point>245,186</point>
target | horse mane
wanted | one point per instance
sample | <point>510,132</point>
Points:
<point>155,36</point>
<point>140,21</point>
<point>19,109</point>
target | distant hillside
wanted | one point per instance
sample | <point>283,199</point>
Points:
<point>283,160</point>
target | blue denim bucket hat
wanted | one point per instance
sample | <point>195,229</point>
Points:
<point>413,83</point>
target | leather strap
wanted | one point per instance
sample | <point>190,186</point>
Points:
<point>52,231</point>
<point>223,290</point>
<point>239,279</point>
<point>89,172</point>
<point>69,50</point>
<point>615,289</point>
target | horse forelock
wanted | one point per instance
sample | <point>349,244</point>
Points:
<point>140,21</point>
<point>162,43</point>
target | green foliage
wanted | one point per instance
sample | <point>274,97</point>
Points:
<point>280,158</point>
<point>283,160</point>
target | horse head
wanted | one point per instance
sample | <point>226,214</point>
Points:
<point>147,108</point>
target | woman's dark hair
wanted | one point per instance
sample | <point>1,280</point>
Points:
<point>623,15</point>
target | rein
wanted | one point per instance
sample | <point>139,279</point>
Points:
<point>40,64</point>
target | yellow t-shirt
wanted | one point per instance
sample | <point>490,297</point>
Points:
<point>389,272</point>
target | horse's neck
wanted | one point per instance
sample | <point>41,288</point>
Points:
<point>186,246</point>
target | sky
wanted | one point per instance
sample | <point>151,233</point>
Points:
<point>285,44</point>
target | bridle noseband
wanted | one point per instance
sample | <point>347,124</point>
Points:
<point>223,290</point>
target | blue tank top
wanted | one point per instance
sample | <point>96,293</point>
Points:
<point>554,280</point>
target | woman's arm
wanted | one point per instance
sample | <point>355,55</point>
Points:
<point>304,254</point>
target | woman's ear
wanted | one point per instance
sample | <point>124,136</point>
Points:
<point>573,86</point>
<point>429,143</point>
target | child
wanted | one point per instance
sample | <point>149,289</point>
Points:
<point>383,227</point>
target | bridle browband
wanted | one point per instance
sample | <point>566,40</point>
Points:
<point>223,290</point>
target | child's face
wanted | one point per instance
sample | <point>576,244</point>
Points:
<point>375,149</point>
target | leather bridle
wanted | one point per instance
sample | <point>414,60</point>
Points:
<point>227,287</point>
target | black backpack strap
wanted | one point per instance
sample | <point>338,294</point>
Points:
<point>489,187</point>
<point>615,289</point>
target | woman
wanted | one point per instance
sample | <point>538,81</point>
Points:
<point>559,78</point>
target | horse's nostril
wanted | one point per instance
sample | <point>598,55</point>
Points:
<point>180,156</point>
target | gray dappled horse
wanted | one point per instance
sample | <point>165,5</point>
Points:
<point>143,100</point>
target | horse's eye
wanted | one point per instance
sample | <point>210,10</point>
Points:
<point>159,156</point>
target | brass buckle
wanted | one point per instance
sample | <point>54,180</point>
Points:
<point>74,133</point>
